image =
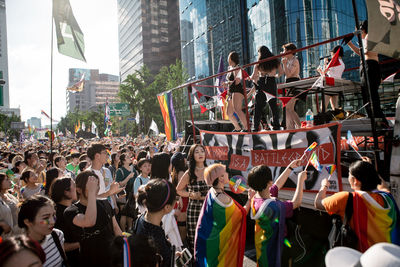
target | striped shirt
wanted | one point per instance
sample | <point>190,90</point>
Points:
<point>53,256</point>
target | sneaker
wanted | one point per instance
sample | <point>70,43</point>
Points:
<point>235,131</point>
<point>244,131</point>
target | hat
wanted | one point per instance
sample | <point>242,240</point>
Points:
<point>213,172</point>
<point>178,156</point>
<point>380,254</point>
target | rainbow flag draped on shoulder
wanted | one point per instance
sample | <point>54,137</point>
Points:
<point>168,113</point>
<point>269,232</point>
<point>373,223</point>
<point>221,233</point>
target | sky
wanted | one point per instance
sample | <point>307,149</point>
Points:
<point>29,52</point>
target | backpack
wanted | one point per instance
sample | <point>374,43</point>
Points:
<point>341,234</point>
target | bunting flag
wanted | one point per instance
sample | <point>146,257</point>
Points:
<point>46,115</point>
<point>284,100</point>
<point>195,100</point>
<point>314,161</point>
<point>390,78</point>
<point>199,95</point>
<point>244,75</point>
<point>384,27</point>
<point>203,109</point>
<point>137,118</point>
<point>331,169</point>
<point>78,87</point>
<point>70,40</point>
<point>269,96</point>
<point>221,233</point>
<point>350,141</point>
<point>168,113</point>
<point>154,127</point>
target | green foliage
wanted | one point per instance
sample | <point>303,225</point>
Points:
<point>72,118</point>
<point>5,125</point>
<point>140,90</point>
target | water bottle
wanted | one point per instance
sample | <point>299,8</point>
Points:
<point>309,118</point>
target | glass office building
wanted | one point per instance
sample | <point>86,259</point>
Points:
<point>244,25</point>
<point>302,22</point>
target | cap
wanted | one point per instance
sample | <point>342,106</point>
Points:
<point>380,254</point>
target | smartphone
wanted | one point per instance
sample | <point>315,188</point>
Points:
<point>184,259</point>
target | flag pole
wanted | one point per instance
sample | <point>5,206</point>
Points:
<point>51,84</point>
<point>373,127</point>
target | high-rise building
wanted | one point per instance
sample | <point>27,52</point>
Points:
<point>245,25</point>
<point>97,89</point>
<point>148,35</point>
<point>34,121</point>
<point>4,92</point>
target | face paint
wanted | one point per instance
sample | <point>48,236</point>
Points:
<point>47,221</point>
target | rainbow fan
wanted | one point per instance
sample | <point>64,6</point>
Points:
<point>238,184</point>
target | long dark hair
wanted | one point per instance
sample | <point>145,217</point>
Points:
<point>270,65</point>
<point>50,176</point>
<point>160,166</point>
<point>178,165</point>
<point>192,163</point>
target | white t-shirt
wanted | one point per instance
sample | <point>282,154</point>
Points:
<point>102,184</point>
<point>53,256</point>
<point>337,71</point>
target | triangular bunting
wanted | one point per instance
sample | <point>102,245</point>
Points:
<point>245,75</point>
<point>224,93</point>
<point>285,100</point>
<point>390,78</point>
<point>199,95</point>
<point>203,109</point>
<point>207,97</point>
<point>196,101</point>
<point>334,61</point>
<point>319,83</point>
<point>269,96</point>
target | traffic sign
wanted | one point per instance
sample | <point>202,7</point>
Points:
<point>119,109</point>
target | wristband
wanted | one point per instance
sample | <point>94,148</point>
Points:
<point>290,168</point>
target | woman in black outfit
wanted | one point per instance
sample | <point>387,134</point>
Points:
<point>264,80</point>
<point>235,94</point>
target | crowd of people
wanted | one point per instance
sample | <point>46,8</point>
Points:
<point>123,202</point>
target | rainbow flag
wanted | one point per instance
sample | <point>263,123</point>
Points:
<point>311,147</point>
<point>168,113</point>
<point>314,161</point>
<point>350,141</point>
<point>331,169</point>
<point>269,232</point>
<point>373,223</point>
<point>221,233</point>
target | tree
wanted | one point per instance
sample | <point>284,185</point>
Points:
<point>87,117</point>
<point>5,125</point>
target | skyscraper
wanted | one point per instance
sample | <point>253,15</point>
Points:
<point>97,88</point>
<point>148,35</point>
<point>4,92</point>
<point>245,25</point>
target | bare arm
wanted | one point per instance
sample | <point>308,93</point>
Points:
<point>181,187</point>
<point>285,174</point>
<point>298,194</point>
<point>321,195</point>
<point>117,230</point>
<point>354,48</point>
<point>89,218</point>
<point>114,189</point>
<point>126,180</point>
<point>254,75</point>
<point>71,246</point>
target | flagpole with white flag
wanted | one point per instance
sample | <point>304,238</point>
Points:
<point>154,127</point>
